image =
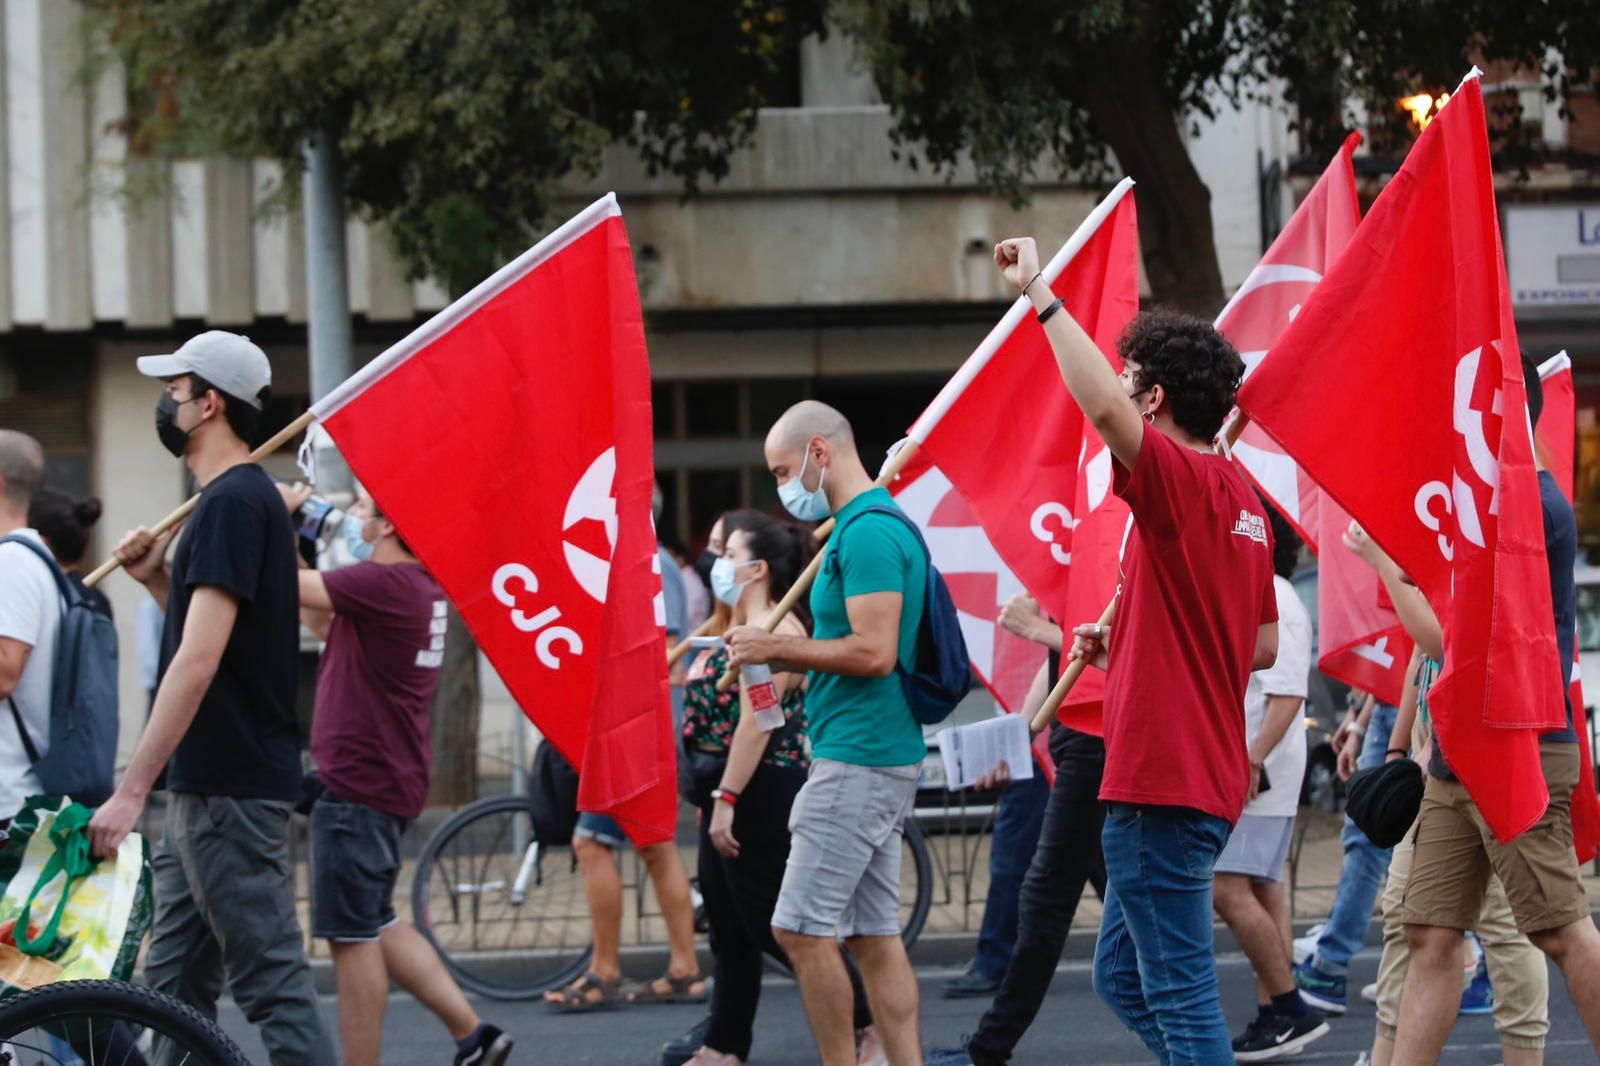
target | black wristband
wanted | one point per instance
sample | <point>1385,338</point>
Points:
<point>1044,316</point>
<point>1397,751</point>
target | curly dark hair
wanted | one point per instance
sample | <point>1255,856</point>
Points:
<point>1191,361</point>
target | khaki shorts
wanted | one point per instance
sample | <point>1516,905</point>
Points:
<point>1455,852</point>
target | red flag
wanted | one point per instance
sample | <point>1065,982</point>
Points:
<point>1417,425</point>
<point>509,440</point>
<point>980,584</point>
<point>1268,300</point>
<point>1556,439</point>
<point>1006,431</point>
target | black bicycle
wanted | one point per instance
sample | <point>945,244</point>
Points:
<point>108,1023</point>
<point>507,912</point>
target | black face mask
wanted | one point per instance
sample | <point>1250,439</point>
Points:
<point>703,565</point>
<point>173,437</point>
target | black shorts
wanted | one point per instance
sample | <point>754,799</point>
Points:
<point>355,861</point>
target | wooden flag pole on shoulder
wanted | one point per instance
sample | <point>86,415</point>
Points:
<point>278,440</point>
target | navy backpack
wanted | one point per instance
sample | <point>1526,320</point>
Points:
<point>941,676</point>
<point>81,762</point>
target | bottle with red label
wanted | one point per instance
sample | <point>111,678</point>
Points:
<point>757,681</point>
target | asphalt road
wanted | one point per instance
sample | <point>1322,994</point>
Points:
<point>1074,1027</point>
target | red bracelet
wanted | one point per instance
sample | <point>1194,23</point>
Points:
<point>726,795</point>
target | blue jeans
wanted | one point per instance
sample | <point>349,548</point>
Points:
<point>1016,834</point>
<point>1365,866</point>
<point>1155,964</point>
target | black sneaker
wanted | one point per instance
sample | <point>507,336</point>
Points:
<point>679,1051</point>
<point>971,985</point>
<point>492,1049</point>
<point>1276,1036</point>
<point>1251,1032</point>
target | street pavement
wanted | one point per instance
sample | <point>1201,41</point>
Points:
<point>1074,1027</point>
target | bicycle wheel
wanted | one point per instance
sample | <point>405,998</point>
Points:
<point>916,882</point>
<point>108,1022</point>
<point>506,913</point>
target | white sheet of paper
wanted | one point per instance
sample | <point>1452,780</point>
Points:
<point>970,751</point>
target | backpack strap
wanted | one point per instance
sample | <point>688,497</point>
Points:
<point>22,731</point>
<point>69,594</point>
<point>63,586</point>
<point>879,508</point>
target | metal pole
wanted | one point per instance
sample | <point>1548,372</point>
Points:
<point>327,289</point>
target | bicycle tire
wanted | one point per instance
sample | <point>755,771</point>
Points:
<point>115,1001</point>
<point>509,973</point>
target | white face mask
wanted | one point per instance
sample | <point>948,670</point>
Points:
<point>808,505</point>
<point>724,585</point>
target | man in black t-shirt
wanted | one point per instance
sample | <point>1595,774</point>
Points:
<point>223,725</point>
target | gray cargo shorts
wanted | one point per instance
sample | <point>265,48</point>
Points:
<point>843,874</point>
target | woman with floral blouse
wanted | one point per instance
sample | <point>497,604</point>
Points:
<point>745,781</point>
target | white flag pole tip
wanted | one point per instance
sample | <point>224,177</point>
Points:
<point>985,351</point>
<point>480,294</point>
<point>1555,365</point>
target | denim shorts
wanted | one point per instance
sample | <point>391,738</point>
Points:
<point>355,861</point>
<point>600,828</point>
<point>843,873</point>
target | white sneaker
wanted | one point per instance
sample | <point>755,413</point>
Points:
<point>1370,992</point>
<point>1306,946</point>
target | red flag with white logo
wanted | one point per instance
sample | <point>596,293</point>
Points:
<point>508,439</point>
<point>1005,430</point>
<point>1360,638</point>
<point>1556,439</point>
<point>1268,300</point>
<point>980,583</point>
<point>1399,388</point>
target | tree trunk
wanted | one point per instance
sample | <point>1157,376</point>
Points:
<point>1121,89</point>
<point>457,708</point>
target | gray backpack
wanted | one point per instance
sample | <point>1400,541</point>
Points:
<point>81,762</point>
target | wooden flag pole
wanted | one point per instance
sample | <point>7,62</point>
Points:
<point>278,440</point>
<point>1069,676</point>
<point>719,617</point>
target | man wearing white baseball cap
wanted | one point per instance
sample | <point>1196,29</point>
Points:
<point>223,725</point>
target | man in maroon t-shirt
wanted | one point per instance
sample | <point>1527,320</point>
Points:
<point>1196,613</point>
<point>383,621</point>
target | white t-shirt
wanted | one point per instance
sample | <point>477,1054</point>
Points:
<point>30,612</point>
<point>1286,765</point>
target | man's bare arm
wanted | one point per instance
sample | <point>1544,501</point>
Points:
<point>1266,647</point>
<point>870,650</point>
<point>13,660</point>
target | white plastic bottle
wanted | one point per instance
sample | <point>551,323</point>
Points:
<point>757,680</point>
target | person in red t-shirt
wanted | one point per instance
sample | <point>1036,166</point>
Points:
<point>383,623</point>
<point>1196,613</point>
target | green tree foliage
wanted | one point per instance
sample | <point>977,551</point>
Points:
<point>1028,89</point>
<point>456,119</point>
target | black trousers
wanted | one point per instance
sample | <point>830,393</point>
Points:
<point>1067,858</point>
<point>740,896</point>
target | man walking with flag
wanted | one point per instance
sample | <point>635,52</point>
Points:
<point>1196,614</point>
<point>843,873</point>
<point>223,728</point>
<point>1455,850</point>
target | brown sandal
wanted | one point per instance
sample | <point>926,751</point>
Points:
<point>679,990</point>
<point>576,998</point>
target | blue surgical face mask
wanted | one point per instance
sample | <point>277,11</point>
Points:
<point>724,586</point>
<point>356,544</point>
<point>808,505</point>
